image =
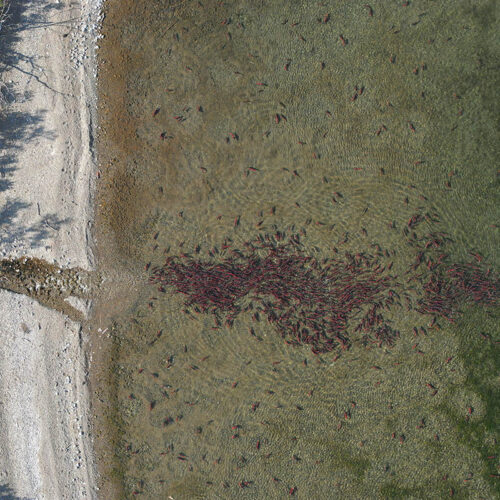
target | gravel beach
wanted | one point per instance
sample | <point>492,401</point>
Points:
<point>47,177</point>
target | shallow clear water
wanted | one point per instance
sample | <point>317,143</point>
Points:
<point>280,106</point>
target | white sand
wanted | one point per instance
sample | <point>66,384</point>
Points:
<point>47,176</point>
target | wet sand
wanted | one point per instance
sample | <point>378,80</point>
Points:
<point>48,170</point>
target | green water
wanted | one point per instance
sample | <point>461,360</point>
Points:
<point>271,132</point>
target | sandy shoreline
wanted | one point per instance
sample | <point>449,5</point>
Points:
<point>47,176</point>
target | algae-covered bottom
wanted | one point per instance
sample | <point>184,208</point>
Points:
<point>225,123</point>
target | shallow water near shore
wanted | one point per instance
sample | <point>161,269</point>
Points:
<point>226,121</point>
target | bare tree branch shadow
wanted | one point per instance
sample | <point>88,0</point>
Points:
<point>37,233</point>
<point>26,15</point>
<point>6,171</point>
<point>7,493</point>
<point>19,129</point>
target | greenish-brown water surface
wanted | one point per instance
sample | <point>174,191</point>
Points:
<point>223,121</point>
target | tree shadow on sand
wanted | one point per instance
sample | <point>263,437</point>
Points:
<point>7,493</point>
<point>18,129</point>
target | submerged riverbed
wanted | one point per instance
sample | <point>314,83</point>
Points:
<point>224,123</point>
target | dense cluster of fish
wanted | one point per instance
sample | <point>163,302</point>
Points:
<point>315,302</point>
<point>456,285</point>
<point>308,301</point>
